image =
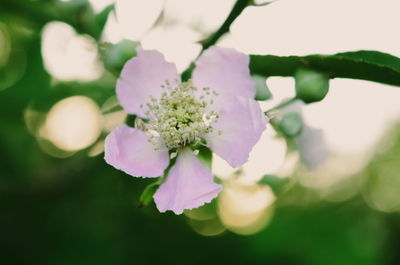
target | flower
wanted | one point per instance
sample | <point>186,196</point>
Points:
<point>216,108</point>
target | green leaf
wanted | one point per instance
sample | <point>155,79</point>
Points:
<point>291,125</point>
<point>274,182</point>
<point>147,195</point>
<point>366,65</point>
<point>102,17</point>
<point>262,91</point>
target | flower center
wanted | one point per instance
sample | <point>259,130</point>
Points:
<point>180,116</point>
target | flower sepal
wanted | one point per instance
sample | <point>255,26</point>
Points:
<point>147,195</point>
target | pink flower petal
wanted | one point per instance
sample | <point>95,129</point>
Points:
<point>189,185</point>
<point>128,149</point>
<point>237,130</point>
<point>225,71</point>
<point>141,77</point>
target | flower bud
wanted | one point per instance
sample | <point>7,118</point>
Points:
<point>311,86</point>
<point>276,183</point>
<point>291,125</point>
<point>262,91</point>
<point>115,56</point>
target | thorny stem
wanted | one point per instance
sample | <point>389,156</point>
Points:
<point>281,105</point>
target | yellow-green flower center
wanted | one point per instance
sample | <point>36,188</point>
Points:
<point>180,117</point>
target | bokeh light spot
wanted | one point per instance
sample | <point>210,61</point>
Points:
<point>381,188</point>
<point>12,58</point>
<point>68,56</point>
<point>267,157</point>
<point>73,123</point>
<point>5,45</point>
<point>205,212</point>
<point>211,227</point>
<point>245,209</point>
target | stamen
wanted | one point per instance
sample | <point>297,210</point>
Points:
<point>180,116</point>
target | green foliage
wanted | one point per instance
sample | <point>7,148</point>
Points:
<point>311,86</point>
<point>382,182</point>
<point>366,65</point>
<point>101,18</point>
<point>77,13</point>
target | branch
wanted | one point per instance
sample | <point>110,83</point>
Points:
<point>237,9</point>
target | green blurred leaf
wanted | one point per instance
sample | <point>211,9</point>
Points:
<point>366,65</point>
<point>311,86</point>
<point>101,18</point>
<point>291,125</point>
<point>205,212</point>
<point>274,182</point>
<point>147,195</point>
<point>78,13</point>
<point>262,91</point>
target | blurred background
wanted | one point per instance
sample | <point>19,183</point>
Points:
<point>328,196</point>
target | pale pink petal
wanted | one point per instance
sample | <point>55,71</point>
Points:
<point>239,127</point>
<point>141,77</point>
<point>189,185</point>
<point>225,71</point>
<point>128,149</point>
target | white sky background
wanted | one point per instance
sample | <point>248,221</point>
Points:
<point>355,113</point>
<point>301,27</point>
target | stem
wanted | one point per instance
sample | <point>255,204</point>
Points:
<point>237,9</point>
<point>112,109</point>
<point>281,105</point>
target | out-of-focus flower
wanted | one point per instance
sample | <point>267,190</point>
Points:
<point>311,142</point>
<point>245,209</point>
<point>216,108</point>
